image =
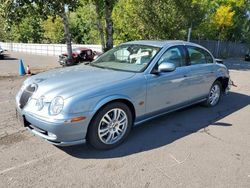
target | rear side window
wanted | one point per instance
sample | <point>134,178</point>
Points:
<point>199,56</point>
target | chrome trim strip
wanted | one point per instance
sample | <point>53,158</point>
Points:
<point>72,143</point>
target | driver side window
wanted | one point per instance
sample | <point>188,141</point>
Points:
<point>173,55</point>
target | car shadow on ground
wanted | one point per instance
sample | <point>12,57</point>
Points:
<point>237,64</point>
<point>167,129</point>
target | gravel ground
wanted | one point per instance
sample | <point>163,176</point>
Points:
<point>194,147</point>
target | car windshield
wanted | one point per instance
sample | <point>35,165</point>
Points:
<point>127,57</point>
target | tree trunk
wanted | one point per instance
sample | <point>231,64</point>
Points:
<point>67,35</point>
<point>100,26</point>
<point>109,24</point>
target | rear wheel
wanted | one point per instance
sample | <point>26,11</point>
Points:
<point>214,94</point>
<point>110,126</point>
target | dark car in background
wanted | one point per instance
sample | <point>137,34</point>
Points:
<point>79,55</point>
<point>1,53</point>
<point>247,56</point>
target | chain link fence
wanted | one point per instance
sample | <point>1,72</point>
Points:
<point>221,49</point>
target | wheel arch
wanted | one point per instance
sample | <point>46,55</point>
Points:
<point>109,100</point>
<point>223,81</point>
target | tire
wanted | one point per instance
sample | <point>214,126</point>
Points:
<point>105,131</point>
<point>214,95</point>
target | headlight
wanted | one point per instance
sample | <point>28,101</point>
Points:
<point>56,106</point>
<point>39,103</point>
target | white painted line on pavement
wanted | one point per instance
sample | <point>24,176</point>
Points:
<point>180,162</point>
<point>25,164</point>
<point>174,158</point>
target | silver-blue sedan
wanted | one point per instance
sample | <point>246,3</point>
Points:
<point>126,86</point>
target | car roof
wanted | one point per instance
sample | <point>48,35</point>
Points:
<point>80,48</point>
<point>162,43</point>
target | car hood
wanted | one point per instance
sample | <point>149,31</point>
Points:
<point>67,82</point>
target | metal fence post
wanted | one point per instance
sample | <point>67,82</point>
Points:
<point>217,49</point>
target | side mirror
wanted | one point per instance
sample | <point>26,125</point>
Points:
<point>219,61</point>
<point>166,67</point>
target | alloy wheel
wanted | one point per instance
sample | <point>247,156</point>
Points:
<point>214,95</point>
<point>113,126</point>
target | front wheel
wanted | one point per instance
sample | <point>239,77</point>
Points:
<point>110,126</point>
<point>214,94</point>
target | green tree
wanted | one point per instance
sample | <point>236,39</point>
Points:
<point>127,23</point>
<point>155,19</point>
<point>83,25</point>
<point>211,26</point>
<point>53,30</point>
<point>223,19</point>
<point>104,9</point>
<point>116,21</point>
<point>3,36</point>
<point>29,30</point>
<point>53,8</point>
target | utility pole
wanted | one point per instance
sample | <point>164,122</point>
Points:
<point>67,32</point>
<point>189,34</point>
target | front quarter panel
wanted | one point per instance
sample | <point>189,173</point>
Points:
<point>221,71</point>
<point>132,90</point>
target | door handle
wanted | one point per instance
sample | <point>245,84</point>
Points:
<point>185,76</point>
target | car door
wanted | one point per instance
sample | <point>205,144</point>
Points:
<point>200,72</point>
<point>167,89</point>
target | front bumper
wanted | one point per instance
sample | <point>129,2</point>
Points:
<point>37,132</point>
<point>57,132</point>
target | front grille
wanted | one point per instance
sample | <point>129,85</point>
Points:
<point>27,93</point>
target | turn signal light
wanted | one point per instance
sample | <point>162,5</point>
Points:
<point>75,119</point>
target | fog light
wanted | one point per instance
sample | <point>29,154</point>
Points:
<point>51,135</point>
